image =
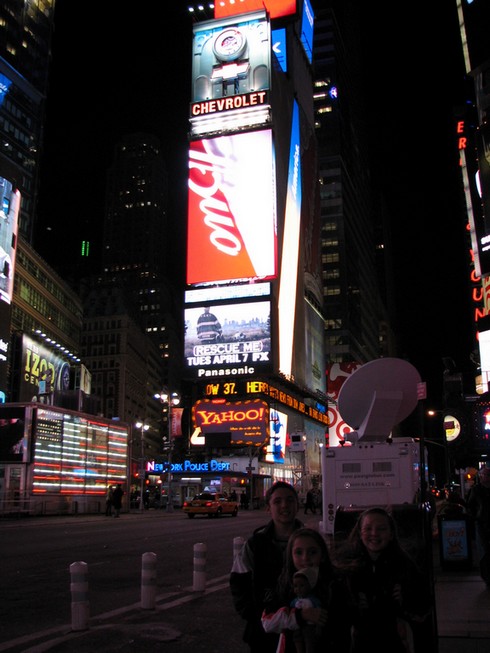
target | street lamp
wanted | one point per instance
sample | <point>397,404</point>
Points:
<point>171,399</point>
<point>143,427</point>
<point>444,444</point>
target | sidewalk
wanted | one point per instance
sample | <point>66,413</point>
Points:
<point>463,609</point>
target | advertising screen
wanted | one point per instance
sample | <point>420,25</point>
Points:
<point>74,455</point>
<point>230,74</point>
<point>228,340</point>
<point>231,208</point>
<point>246,421</point>
<point>9,215</point>
<point>276,447</point>
<point>14,436</point>
<point>44,375</point>
<point>307,20</point>
<point>290,250</point>
<point>275,8</point>
<point>5,84</point>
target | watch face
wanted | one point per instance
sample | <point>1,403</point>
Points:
<point>229,44</point>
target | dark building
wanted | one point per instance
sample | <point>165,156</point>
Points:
<point>25,51</point>
<point>354,237</point>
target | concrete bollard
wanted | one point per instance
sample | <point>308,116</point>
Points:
<point>199,584</point>
<point>148,580</point>
<point>237,546</point>
<point>79,596</point>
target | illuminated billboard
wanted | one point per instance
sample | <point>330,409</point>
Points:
<point>228,340</point>
<point>9,215</point>
<point>275,8</point>
<point>231,208</point>
<point>77,455</point>
<point>276,447</point>
<point>230,74</point>
<point>307,20</point>
<point>44,375</point>
<point>245,421</point>
<point>290,250</point>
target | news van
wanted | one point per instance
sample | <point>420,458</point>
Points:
<point>373,468</point>
<point>369,473</point>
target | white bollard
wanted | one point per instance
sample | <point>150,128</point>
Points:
<point>237,546</point>
<point>199,584</point>
<point>148,580</point>
<point>79,596</point>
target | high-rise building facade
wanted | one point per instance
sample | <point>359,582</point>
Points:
<point>25,50</point>
<point>353,238</point>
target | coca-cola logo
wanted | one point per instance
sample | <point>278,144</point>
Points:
<point>207,166</point>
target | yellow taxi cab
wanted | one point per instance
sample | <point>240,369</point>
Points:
<point>212,504</point>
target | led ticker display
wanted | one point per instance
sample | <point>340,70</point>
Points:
<point>275,8</point>
<point>246,421</point>
<point>231,208</point>
<point>239,387</point>
<point>228,340</point>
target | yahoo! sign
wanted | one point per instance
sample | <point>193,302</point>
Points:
<point>246,421</point>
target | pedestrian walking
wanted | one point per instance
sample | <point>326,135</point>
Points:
<point>478,507</point>
<point>257,566</point>
<point>117,496</point>
<point>310,503</point>
<point>108,501</point>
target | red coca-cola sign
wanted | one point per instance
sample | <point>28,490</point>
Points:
<point>231,209</point>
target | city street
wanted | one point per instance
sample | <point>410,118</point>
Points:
<point>36,555</point>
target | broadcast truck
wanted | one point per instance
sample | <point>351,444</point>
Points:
<point>374,468</point>
<point>369,473</point>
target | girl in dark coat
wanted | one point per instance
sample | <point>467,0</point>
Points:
<point>388,593</point>
<point>307,549</point>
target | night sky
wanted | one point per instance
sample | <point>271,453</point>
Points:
<point>129,70</point>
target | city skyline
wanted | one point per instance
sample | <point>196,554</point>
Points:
<point>133,79</point>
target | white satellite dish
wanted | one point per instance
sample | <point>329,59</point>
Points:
<point>377,396</point>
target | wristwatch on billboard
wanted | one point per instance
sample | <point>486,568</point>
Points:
<point>230,44</point>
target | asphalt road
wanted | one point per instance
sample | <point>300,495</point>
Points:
<point>37,554</point>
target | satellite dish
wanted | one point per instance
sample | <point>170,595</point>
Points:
<point>377,396</point>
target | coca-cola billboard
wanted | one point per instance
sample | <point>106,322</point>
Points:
<point>231,209</point>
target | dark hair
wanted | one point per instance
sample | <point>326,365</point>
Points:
<point>351,552</point>
<point>277,486</point>
<point>325,565</point>
<point>325,570</point>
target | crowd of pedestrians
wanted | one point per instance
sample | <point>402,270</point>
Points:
<point>297,595</point>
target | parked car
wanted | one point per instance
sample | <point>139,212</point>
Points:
<point>212,504</point>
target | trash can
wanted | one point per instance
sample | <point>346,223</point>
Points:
<point>455,542</point>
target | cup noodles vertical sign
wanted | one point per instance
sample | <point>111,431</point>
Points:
<point>231,208</point>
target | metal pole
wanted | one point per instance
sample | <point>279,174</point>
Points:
<point>170,503</point>
<point>142,470</point>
